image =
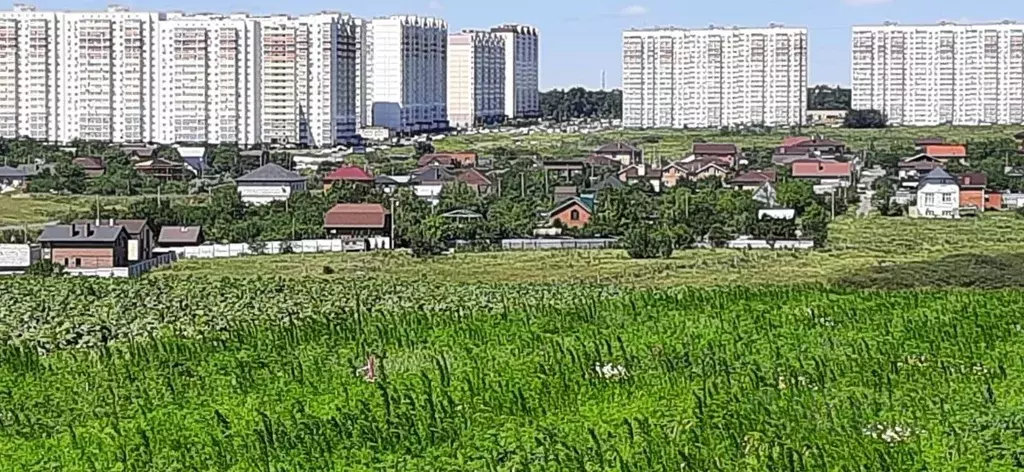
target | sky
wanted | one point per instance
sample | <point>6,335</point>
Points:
<point>581,38</point>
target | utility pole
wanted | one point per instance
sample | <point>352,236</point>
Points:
<point>391,243</point>
<point>833,203</point>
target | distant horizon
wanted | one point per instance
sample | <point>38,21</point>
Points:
<point>580,40</point>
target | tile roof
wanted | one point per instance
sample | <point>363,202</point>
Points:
<point>472,177</point>
<point>824,169</point>
<point>564,204</point>
<point>755,177</point>
<point>929,140</point>
<point>158,163</point>
<point>349,173</point>
<point>11,173</point>
<point>180,235</point>
<point>608,182</point>
<point>85,234</point>
<point>937,176</point>
<point>356,215</point>
<point>973,180</point>
<point>617,147</point>
<point>271,173</point>
<point>89,162</point>
<point>715,149</point>
<point>598,160</point>
<point>946,150</point>
<point>791,141</point>
<point>133,227</point>
<point>431,175</point>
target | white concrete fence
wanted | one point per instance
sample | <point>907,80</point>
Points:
<point>216,251</point>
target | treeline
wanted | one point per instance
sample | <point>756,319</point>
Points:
<point>577,102</point>
<point>825,97</point>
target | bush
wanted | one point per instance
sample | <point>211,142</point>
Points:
<point>45,268</point>
<point>648,243</point>
<point>328,270</point>
<point>718,236</point>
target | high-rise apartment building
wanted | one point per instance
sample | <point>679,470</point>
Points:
<point>675,78</point>
<point>406,73</point>
<point>208,79</point>
<point>307,90</point>
<point>936,74</point>
<point>476,78</point>
<point>522,86</point>
<point>125,76</point>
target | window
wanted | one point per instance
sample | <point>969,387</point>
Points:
<point>947,198</point>
<point>65,262</point>
<point>78,262</point>
<point>929,199</point>
<point>574,215</point>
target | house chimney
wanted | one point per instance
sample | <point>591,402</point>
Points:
<point>74,230</point>
<point>89,231</point>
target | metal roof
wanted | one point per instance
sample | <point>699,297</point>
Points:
<point>270,173</point>
<point>84,233</point>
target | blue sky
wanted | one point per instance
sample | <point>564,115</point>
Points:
<point>581,38</point>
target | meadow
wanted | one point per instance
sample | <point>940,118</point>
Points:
<point>674,144</point>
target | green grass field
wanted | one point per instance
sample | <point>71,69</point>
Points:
<point>674,144</point>
<point>35,209</point>
<point>858,246</point>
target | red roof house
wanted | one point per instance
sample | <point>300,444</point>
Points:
<point>820,169</point>
<point>357,219</point>
<point>474,179</point>
<point>946,151</point>
<point>347,174</point>
<point>453,159</point>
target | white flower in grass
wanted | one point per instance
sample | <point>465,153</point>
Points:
<point>891,434</point>
<point>611,371</point>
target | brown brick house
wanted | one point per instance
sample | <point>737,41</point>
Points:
<point>571,213</point>
<point>93,166</point>
<point>141,237</point>
<point>357,219</point>
<point>85,246</point>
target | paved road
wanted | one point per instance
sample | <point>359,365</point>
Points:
<point>868,177</point>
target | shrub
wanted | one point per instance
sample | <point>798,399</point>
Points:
<point>718,236</point>
<point>328,270</point>
<point>648,243</point>
<point>45,268</point>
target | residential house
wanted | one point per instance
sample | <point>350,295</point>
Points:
<point>625,153</point>
<point>269,183</point>
<point>36,168</point>
<point>389,184</point>
<point>139,151</point>
<point>799,148</point>
<point>698,169</point>
<point>641,173</point>
<point>456,159</point>
<point>599,161</point>
<point>724,151</point>
<point>938,196</point>
<point>913,168</point>
<point>572,213</point>
<point>565,192</point>
<point>350,174</point>
<point>85,245</point>
<point>974,192</point>
<point>93,166</point>
<point>826,175</point>
<point>776,214</point>
<point>357,220</point>
<point>196,159</point>
<point>11,179</point>
<point>833,118</point>
<point>610,182</point>
<point>765,194</point>
<point>474,179</point>
<point>161,169</point>
<point>427,182</point>
<point>946,152</point>
<point>753,180</point>
<point>141,239</point>
<point>181,236</point>
<point>565,168</point>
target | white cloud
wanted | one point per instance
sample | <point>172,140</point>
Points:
<point>860,3</point>
<point>435,5</point>
<point>633,10</point>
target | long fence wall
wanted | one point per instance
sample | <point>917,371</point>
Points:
<point>553,244</point>
<point>215,251</point>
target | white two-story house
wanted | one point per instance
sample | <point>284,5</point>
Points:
<point>938,196</point>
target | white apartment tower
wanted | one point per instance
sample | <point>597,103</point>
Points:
<point>406,73</point>
<point>208,79</point>
<point>676,78</point>
<point>28,74</point>
<point>476,78</point>
<point>522,86</point>
<point>939,74</point>
<point>307,92</point>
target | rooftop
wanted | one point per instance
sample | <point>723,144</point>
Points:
<point>80,233</point>
<point>349,173</point>
<point>270,173</point>
<point>356,215</point>
<point>180,235</point>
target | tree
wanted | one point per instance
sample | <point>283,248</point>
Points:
<point>621,209</point>
<point>511,218</point>
<point>424,147</point>
<point>774,229</point>
<point>646,242</point>
<point>718,236</point>
<point>795,194</point>
<point>577,102</point>
<point>44,268</point>
<point>68,177</point>
<point>824,97</point>
<point>814,225</point>
<point>882,201</point>
<point>427,237</point>
<point>864,119</point>
<point>459,196</point>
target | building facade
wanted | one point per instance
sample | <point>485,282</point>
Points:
<point>522,70</point>
<point>476,78</point>
<point>676,78</point>
<point>124,76</point>
<point>923,75</point>
<point>406,73</point>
